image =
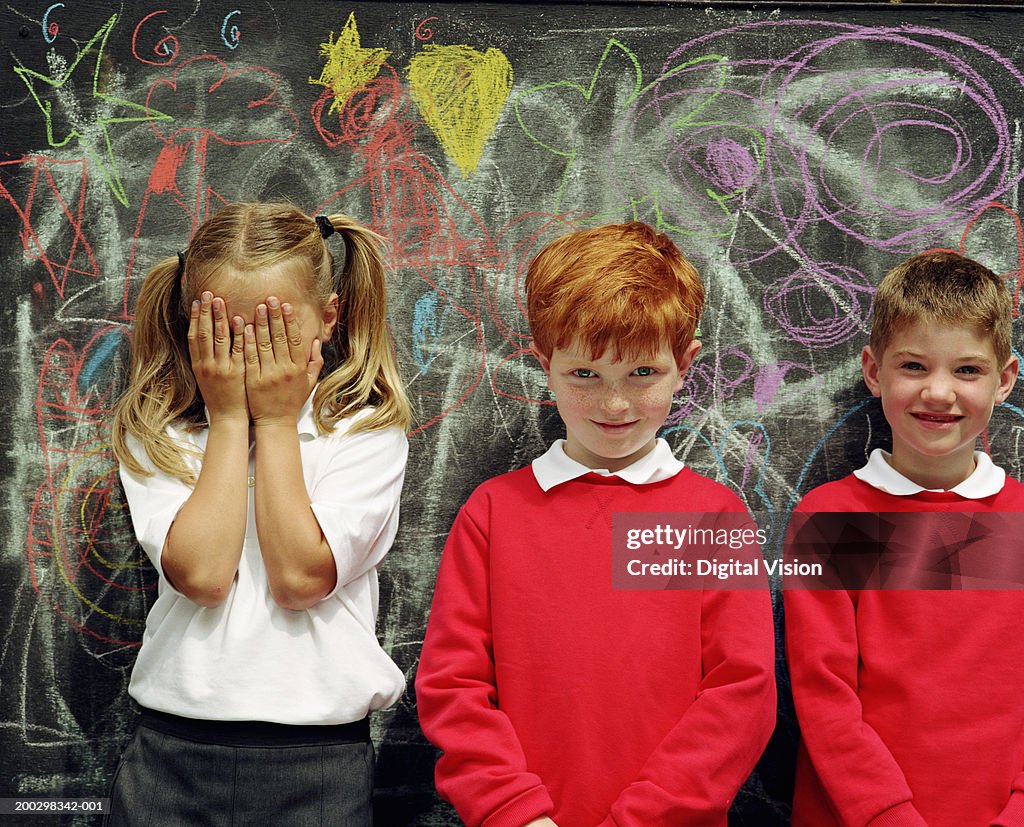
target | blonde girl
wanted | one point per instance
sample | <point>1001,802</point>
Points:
<point>266,498</point>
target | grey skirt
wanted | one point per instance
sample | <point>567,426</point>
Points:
<point>181,771</point>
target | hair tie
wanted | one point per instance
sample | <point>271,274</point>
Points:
<point>176,285</point>
<point>325,225</point>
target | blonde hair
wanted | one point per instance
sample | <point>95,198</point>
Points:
<point>947,288</point>
<point>621,283</point>
<point>362,371</point>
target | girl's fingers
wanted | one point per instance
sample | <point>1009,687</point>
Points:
<point>278,337</point>
<point>316,362</point>
<point>221,337</point>
<point>216,360</point>
<point>251,352</point>
<point>204,329</point>
<point>293,330</point>
<point>193,332</point>
<point>264,344</point>
<point>238,337</point>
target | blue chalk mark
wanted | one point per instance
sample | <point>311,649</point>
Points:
<point>759,483</point>
<point>48,35</point>
<point>718,452</point>
<point>1013,408</point>
<point>99,355</point>
<point>234,32</point>
<point>817,449</point>
<point>714,451</point>
<point>427,328</point>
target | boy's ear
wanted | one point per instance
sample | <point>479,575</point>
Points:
<point>545,361</point>
<point>869,367</point>
<point>689,355</point>
<point>329,317</point>
<point>1007,379</point>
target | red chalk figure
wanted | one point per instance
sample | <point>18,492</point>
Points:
<point>432,231</point>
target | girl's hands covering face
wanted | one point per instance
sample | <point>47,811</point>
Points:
<point>279,374</point>
<point>217,361</point>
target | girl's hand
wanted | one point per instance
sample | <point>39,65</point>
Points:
<point>278,374</point>
<point>217,362</point>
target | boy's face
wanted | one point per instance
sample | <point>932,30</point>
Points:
<point>612,409</point>
<point>938,386</point>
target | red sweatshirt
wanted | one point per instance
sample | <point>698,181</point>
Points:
<point>910,703</point>
<point>550,693</point>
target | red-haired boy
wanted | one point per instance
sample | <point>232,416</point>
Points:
<point>911,702</point>
<point>554,698</point>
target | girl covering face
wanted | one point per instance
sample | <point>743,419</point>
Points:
<point>262,449</point>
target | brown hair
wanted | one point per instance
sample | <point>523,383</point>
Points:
<point>945,288</point>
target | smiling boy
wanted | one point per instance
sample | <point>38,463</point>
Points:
<point>909,702</point>
<point>554,698</point>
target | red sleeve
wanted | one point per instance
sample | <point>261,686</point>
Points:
<point>1013,813</point>
<point>693,775</point>
<point>482,770</point>
<point>863,782</point>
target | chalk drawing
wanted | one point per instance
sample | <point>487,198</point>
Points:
<point>166,48</point>
<point>231,35</point>
<point>460,93</point>
<point>50,27</point>
<point>109,109</point>
<point>793,160</point>
<point>62,194</point>
<point>423,31</point>
<point>348,65</point>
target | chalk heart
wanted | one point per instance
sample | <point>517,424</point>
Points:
<point>460,93</point>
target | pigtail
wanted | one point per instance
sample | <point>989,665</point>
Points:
<point>368,372</point>
<point>161,386</point>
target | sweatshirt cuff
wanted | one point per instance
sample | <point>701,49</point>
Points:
<point>522,809</point>
<point>1013,813</point>
<point>902,815</point>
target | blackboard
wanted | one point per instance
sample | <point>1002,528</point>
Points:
<point>794,152</point>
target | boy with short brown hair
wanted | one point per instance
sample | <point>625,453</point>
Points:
<point>554,698</point>
<point>909,701</point>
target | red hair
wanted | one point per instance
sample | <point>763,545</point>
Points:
<point>624,285</point>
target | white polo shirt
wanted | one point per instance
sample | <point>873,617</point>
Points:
<point>249,659</point>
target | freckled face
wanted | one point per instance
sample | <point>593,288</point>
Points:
<point>938,387</point>
<point>612,409</point>
<point>243,292</point>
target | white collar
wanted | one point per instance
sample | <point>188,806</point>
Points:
<point>986,479</point>
<point>306,423</point>
<point>555,466</point>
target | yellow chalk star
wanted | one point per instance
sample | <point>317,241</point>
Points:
<point>348,65</point>
<point>109,109</point>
